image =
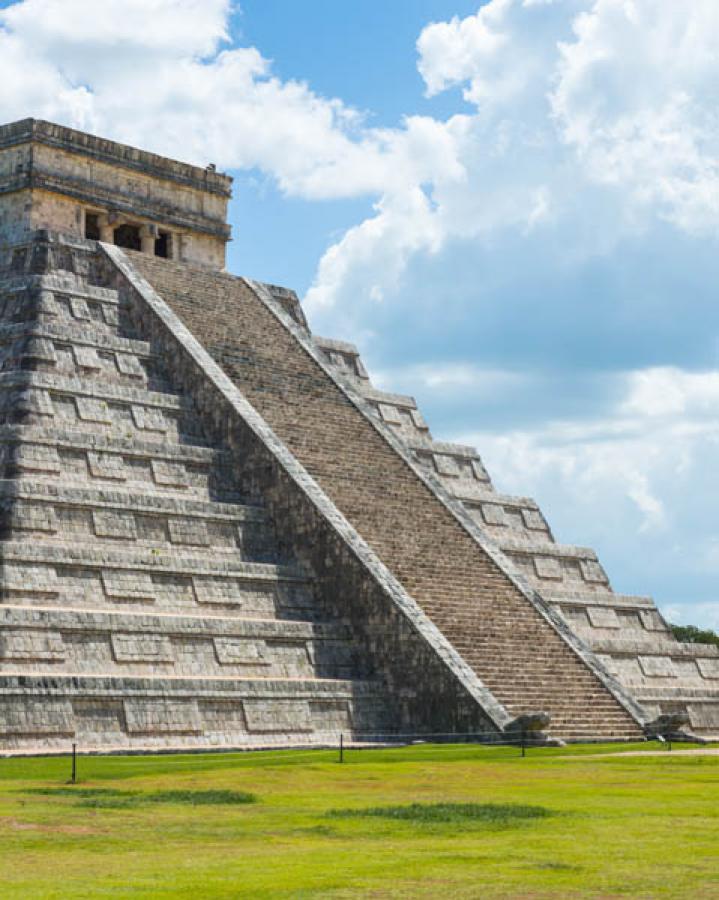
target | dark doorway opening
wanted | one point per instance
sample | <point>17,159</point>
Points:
<point>128,236</point>
<point>92,226</point>
<point>162,245</point>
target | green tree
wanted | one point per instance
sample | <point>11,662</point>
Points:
<point>690,634</point>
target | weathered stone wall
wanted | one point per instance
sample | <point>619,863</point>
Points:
<point>514,650</point>
<point>144,603</point>
<point>426,695</point>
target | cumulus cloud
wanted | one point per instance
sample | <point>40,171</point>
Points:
<point>634,97</point>
<point>561,97</point>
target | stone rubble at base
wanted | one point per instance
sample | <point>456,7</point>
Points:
<point>217,533</point>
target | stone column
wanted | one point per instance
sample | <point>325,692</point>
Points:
<point>107,230</point>
<point>148,236</point>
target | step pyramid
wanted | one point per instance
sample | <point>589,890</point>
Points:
<point>216,532</point>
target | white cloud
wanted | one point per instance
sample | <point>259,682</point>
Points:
<point>635,97</point>
<point>562,97</point>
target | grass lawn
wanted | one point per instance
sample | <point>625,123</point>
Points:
<point>421,821</point>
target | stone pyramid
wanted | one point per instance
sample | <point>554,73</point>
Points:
<point>218,533</point>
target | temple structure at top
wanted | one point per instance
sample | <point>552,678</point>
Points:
<point>56,178</point>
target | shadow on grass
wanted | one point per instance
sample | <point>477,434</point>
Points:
<point>108,798</point>
<point>498,815</point>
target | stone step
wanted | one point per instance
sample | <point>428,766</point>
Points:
<point>701,702</point>
<point>568,597</point>
<point>96,643</point>
<point>73,439</point>
<point>655,646</point>
<point>548,565</point>
<point>47,512</point>
<point>46,713</point>
<point>48,495</point>
<point>160,470</point>
<point>60,332</point>
<point>68,575</point>
<point>186,562</point>
<point>40,399</point>
<point>61,282</point>
<point>95,528</point>
<point>95,390</point>
<point>42,301</point>
<point>503,516</point>
<point>595,621</point>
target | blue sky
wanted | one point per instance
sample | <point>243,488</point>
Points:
<point>512,207</point>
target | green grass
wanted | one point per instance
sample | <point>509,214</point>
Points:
<point>109,798</point>
<point>421,822</point>
<point>492,814</point>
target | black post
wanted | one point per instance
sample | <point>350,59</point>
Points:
<point>669,743</point>
<point>524,743</point>
<point>74,764</point>
<point>342,748</point>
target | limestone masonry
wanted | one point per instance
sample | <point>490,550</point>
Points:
<point>217,533</point>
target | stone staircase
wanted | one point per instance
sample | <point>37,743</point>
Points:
<point>367,450</point>
<point>627,634</point>
<point>146,602</point>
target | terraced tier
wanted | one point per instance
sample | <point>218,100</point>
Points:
<point>628,634</point>
<point>145,600</point>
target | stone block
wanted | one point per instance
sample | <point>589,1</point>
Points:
<point>708,668</point>
<point>548,567</point>
<point>219,591</point>
<point>106,465</point>
<point>533,520</point>
<point>236,651</point>
<point>603,617</point>
<point>657,666</point>
<point>593,572</point>
<point>46,305</point>
<point>18,717</point>
<point>90,409</point>
<point>148,418</point>
<point>446,465</point>
<point>31,646</point>
<point>129,365</point>
<point>151,648</point>
<point>271,715</point>
<point>87,358</point>
<point>36,403</point>
<point>390,414</point>
<point>704,716</point>
<point>41,349</point>
<point>168,474</point>
<point>114,524</point>
<point>33,516</point>
<point>37,458</point>
<point>26,577</point>
<point>125,585</point>
<point>493,514</point>
<point>79,309</point>
<point>651,620</point>
<point>188,531</point>
<point>478,470</point>
<point>162,716</point>
<point>418,420</point>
